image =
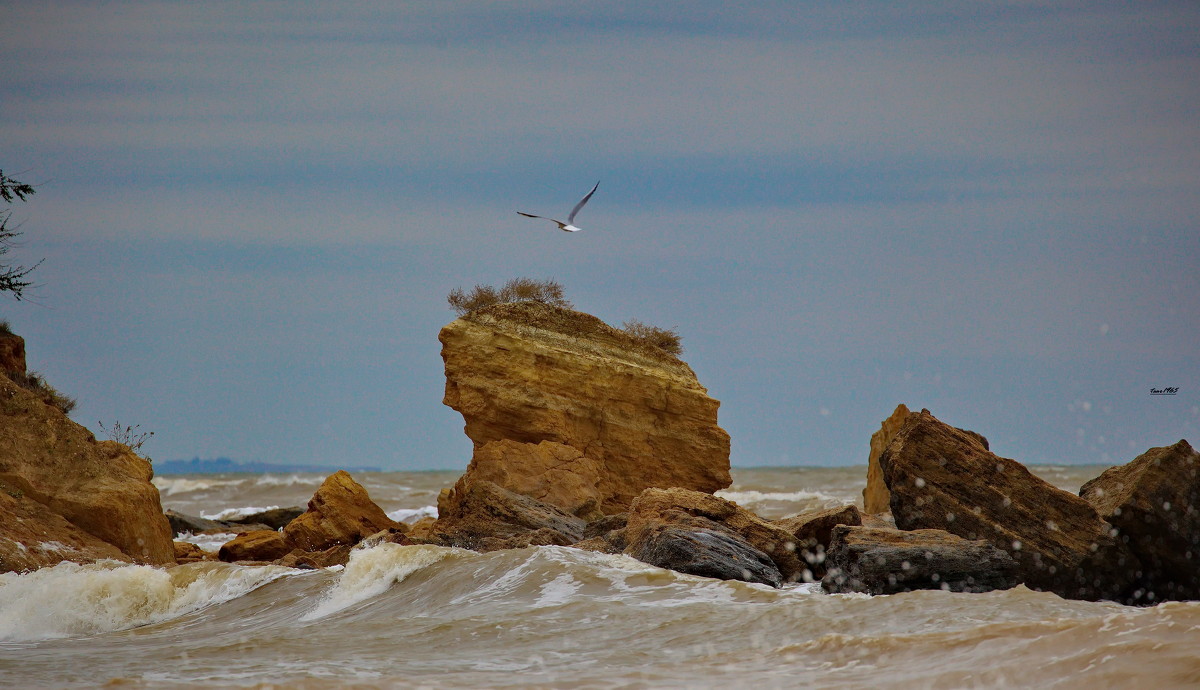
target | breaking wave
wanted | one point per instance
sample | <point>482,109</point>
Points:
<point>69,599</point>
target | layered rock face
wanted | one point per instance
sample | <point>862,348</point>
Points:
<point>551,472</point>
<point>102,488</point>
<point>529,373</point>
<point>1154,503</point>
<point>484,516</point>
<point>940,477</point>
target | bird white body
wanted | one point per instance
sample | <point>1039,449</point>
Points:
<point>569,225</point>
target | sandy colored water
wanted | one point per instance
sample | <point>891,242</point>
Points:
<point>556,617</point>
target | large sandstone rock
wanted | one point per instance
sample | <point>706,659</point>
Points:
<point>487,517</point>
<point>888,561</point>
<point>553,473</point>
<point>528,372</point>
<point>812,533</point>
<point>33,536</point>
<point>101,487</point>
<point>340,512</point>
<point>944,478</point>
<point>1154,502</point>
<point>696,510</point>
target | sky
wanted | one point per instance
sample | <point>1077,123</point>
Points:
<point>250,214</point>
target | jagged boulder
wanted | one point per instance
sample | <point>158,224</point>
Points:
<point>940,477</point>
<point>486,517</point>
<point>528,372</point>
<point>888,561</point>
<point>101,487</point>
<point>812,532</point>
<point>553,473</point>
<point>1154,503</point>
<point>340,512</point>
<point>696,510</point>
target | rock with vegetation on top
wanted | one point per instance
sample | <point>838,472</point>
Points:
<point>812,533</point>
<point>553,473</point>
<point>1154,503</point>
<point>101,487</point>
<point>888,561</point>
<point>686,509</point>
<point>340,512</point>
<point>940,477</point>
<point>486,517</point>
<point>529,372</point>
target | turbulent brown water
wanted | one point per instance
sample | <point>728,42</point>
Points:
<point>423,616</point>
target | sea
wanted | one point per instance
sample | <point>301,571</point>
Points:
<point>554,617</point>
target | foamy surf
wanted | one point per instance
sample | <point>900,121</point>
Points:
<point>372,571</point>
<point>411,515</point>
<point>70,600</point>
<point>236,513</point>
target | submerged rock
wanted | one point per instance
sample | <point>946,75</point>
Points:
<point>658,508</point>
<point>940,477</point>
<point>527,373</point>
<point>101,487</point>
<point>275,518</point>
<point>471,515</point>
<point>1154,503</point>
<point>340,512</point>
<point>812,533</point>
<point>888,561</point>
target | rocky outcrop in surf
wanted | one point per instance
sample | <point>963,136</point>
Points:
<point>527,373</point>
<point>940,477</point>
<point>340,512</point>
<point>1153,502</point>
<point>484,516</point>
<point>812,533</point>
<point>88,492</point>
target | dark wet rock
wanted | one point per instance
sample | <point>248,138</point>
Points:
<point>940,477</point>
<point>706,552</point>
<point>483,510</point>
<point>1154,503</point>
<point>275,518</point>
<point>813,531</point>
<point>260,545</point>
<point>888,561</point>
<point>182,523</point>
<point>606,524</point>
<point>687,509</point>
<point>544,536</point>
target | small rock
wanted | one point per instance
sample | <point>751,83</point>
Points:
<point>482,510</point>
<point>812,532</point>
<point>705,552</point>
<point>887,561</point>
<point>340,512</point>
<point>275,518</point>
<point>261,545</point>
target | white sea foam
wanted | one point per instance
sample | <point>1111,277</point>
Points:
<point>211,543</point>
<point>172,486</point>
<point>235,513</point>
<point>411,515</point>
<point>290,480</point>
<point>744,497</point>
<point>372,571</point>
<point>71,600</point>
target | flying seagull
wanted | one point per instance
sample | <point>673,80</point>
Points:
<point>567,226</point>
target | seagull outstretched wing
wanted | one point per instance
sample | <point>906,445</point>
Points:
<point>584,200</point>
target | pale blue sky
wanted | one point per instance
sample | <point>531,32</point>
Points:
<point>251,213</point>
